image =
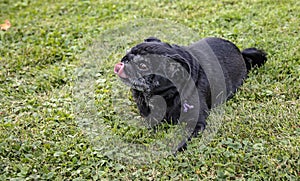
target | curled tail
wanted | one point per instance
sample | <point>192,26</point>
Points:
<point>254,57</point>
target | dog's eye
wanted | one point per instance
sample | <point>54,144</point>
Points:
<point>143,66</point>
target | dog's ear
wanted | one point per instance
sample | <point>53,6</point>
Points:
<point>152,39</point>
<point>184,63</point>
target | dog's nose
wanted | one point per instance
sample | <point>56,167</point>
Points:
<point>119,70</point>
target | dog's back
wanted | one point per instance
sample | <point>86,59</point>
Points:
<point>223,65</point>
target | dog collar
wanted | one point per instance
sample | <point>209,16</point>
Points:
<point>187,106</point>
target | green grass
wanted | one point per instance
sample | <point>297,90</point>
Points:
<point>43,53</point>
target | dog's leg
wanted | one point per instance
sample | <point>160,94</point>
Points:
<point>199,127</point>
<point>201,124</point>
<point>141,102</point>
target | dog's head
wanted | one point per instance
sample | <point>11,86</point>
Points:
<point>154,66</point>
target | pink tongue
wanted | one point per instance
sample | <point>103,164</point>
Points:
<point>119,70</point>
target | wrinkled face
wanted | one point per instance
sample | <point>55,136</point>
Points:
<point>138,72</point>
<point>153,67</point>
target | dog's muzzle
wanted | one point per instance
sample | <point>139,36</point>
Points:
<point>119,70</point>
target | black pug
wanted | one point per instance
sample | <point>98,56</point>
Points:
<point>175,83</point>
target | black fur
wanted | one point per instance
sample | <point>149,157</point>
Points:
<point>233,63</point>
<point>254,57</point>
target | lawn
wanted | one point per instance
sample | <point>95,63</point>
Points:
<point>64,115</point>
